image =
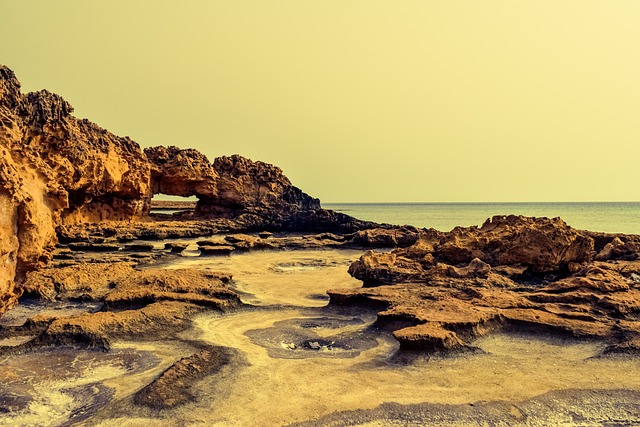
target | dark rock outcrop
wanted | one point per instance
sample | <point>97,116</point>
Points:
<point>253,194</point>
<point>254,187</point>
<point>173,387</point>
<point>513,272</point>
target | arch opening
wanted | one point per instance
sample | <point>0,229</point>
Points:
<point>169,206</point>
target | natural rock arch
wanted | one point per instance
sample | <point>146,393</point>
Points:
<point>230,187</point>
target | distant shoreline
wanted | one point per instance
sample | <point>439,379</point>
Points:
<point>172,205</point>
<point>608,217</point>
<point>477,203</point>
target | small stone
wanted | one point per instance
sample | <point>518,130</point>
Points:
<point>139,247</point>
<point>314,345</point>
<point>176,247</point>
<point>216,250</point>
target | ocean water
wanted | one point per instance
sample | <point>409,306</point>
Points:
<point>610,217</point>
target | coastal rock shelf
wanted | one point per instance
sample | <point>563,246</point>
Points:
<point>513,273</point>
<point>217,331</point>
<point>57,170</point>
<point>121,281</point>
<point>255,303</point>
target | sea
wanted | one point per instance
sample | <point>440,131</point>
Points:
<point>610,217</point>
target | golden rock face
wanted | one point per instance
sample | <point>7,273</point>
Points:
<point>57,169</point>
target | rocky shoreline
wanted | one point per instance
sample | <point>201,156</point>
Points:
<point>85,256</point>
<point>512,273</point>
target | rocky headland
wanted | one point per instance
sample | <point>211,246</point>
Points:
<point>80,248</point>
<point>58,171</point>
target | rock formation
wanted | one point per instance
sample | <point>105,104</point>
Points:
<point>255,195</point>
<point>514,272</point>
<point>172,387</point>
<point>133,303</point>
<point>531,245</point>
<point>56,168</point>
<point>254,187</point>
<point>179,172</point>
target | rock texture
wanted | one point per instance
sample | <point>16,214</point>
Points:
<point>514,272</point>
<point>173,387</point>
<point>57,171</point>
<point>254,187</point>
<point>181,172</point>
<point>149,303</point>
<point>56,168</point>
<point>254,195</point>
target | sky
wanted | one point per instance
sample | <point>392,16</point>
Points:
<point>359,100</point>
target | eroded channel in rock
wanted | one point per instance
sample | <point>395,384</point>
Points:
<point>300,361</point>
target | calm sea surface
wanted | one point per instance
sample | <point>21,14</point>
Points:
<point>614,217</point>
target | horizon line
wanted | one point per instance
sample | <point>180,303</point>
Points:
<point>475,202</point>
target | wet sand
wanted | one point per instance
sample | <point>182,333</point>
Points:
<point>306,363</point>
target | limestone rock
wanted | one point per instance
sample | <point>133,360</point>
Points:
<point>476,268</point>
<point>74,282</point>
<point>215,249</point>
<point>176,247</point>
<point>105,177</point>
<point>255,186</point>
<point>196,287</point>
<point>253,194</point>
<point>384,268</point>
<point>53,168</point>
<point>542,244</point>
<point>181,172</point>
<point>386,237</point>
<point>143,303</point>
<point>524,273</point>
<point>173,387</point>
<point>618,249</point>
<point>57,171</point>
<point>96,330</point>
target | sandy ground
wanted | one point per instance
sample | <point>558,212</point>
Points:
<point>306,364</point>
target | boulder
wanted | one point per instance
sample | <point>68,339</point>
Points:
<point>542,244</point>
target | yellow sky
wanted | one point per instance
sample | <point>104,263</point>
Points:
<point>359,100</point>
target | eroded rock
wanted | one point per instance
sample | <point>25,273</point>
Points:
<point>56,168</point>
<point>57,171</point>
<point>135,303</point>
<point>173,387</point>
<point>513,272</point>
<point>181,172</point>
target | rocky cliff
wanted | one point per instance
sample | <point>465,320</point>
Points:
<point>56,169</point>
